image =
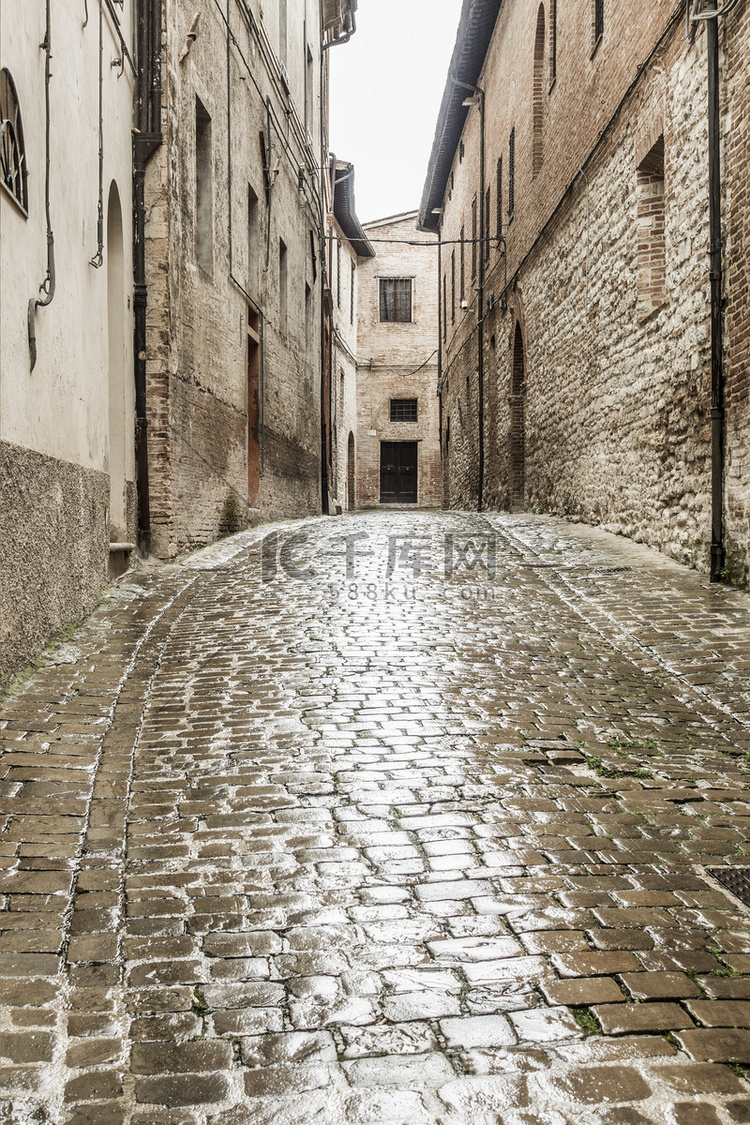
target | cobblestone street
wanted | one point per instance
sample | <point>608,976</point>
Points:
<point>364,822</point>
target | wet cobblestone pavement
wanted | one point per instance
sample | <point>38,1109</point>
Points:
<point>422,844</point>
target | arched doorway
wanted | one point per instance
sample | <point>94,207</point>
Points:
<point>118,411</point>
<point>517,424</point>
<point>350,473</point>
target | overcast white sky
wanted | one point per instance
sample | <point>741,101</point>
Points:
<point>386,87</point>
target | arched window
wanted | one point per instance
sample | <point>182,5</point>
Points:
<point>12,151</point>
<point>539,46</point>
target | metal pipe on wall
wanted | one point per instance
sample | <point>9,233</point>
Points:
<point>146,139</point>
<point>48,285</point>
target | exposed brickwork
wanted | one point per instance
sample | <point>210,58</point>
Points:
<point>200,281</point>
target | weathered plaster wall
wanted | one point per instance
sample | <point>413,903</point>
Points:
<point>54,549</point>
<point>67,427</point>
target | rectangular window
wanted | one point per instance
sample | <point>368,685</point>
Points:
<point>283,31</point>
<point>487,221</point>
<point>474,216</point>
<point>338,274</point>
<point>462,248</point>
<point>403,410</point>
<point>204,190</point>
<point>351,294</point>
<point>395,299</point>
<point>511,173</point>
<point>652,251</point>
<point>499,198</point>
<point>309,93</point>
<point>553,41</point>
<point>598,20</point>
<point>253,240</point>
<point>283,285</point>
<point>453,287</point>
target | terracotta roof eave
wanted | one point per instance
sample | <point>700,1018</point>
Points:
<point>477,22</point>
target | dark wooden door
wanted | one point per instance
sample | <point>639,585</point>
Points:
<point>398,472</point>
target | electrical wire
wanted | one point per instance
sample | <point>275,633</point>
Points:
<point>712,14</point>
<point>315,202</point>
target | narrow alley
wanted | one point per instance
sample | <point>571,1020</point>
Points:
<point>404,818</point>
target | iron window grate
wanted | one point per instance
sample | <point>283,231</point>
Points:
<point>403,410</point>
<point>735,879</point>
<point>395,299</point>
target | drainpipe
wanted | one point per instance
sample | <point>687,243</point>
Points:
<point>48,285</point>
<point>440,336</point>
<point>478,98</point>
<point>146,139</point>
<point>350,26</point>
<point>717,374</point>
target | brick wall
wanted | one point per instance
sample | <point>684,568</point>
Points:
<point>736,93</point>
<point>597,363</point>
<point>231,216</point>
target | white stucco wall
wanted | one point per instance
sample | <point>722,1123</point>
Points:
<point>62,408</point>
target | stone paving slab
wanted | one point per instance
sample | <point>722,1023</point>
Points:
<point>398,817</point>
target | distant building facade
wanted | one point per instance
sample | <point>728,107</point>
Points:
<point>583,370</point>
<point>397,434</point>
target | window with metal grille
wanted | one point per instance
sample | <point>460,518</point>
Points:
<point>512,172</point>
<point>12,151</point>
<point>403,410</point>
<point>453,287</point>
<point>474,237</point>
<point>351,295</point>
<point>553,42</point>
<point>395,299</point>
<point>204,189</point>
<point>598,20</point>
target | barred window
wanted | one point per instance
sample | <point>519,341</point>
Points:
<point>474,237</point>
<point>403,410</point>
<point>512,173</point>
<point>12,151</point>
<point>395,299</point>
